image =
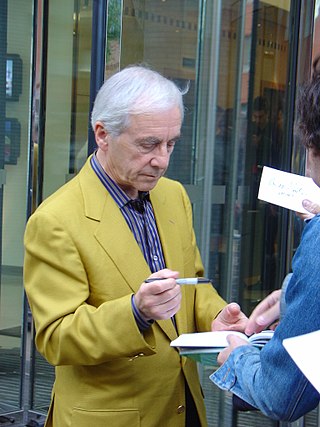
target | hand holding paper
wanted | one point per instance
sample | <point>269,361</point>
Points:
<point>287,189</point>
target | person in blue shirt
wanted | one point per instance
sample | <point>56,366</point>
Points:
<point>268,379</point>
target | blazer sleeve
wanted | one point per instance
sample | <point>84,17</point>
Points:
<point>69,330</point>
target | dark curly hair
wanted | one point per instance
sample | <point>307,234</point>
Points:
<point>308,110</point>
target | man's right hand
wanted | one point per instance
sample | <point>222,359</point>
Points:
<point>161,299</point>
<point>266,312</point>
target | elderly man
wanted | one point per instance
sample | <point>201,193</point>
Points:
<point>90,248</point>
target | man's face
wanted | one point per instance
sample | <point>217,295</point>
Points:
<point>260,117</point>
<point>138,157</point>
<point>313,165</point>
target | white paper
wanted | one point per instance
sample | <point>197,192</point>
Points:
<point>305,351</point>
<point>287,189</point>
<point>205,339</point>
<point>217,339</point>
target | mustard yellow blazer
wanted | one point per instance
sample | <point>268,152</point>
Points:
<point>82,265</point>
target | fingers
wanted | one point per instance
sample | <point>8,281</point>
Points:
<point>164,274</point>
<point>230,318</point>
<point>265,313</point>
<point>223,355</point>
<point>311,207</point>
<point>158,300</point>
<point>234,342</point>
<point>230,312</point>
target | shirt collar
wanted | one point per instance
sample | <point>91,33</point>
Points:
<point>120,197</point>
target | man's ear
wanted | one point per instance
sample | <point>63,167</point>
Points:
<point>101,135</point>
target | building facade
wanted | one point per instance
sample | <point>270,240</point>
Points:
<point>243,60</point>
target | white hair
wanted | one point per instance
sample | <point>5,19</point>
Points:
<point>132,91</point>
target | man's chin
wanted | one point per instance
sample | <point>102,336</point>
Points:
<point>149,186</point>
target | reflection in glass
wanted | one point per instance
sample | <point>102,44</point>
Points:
<point>263,145</point>
<point>66,126</point>
<point>15,42</point>
<point>163,35</point>
<point>218,126</point>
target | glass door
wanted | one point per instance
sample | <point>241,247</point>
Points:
<point>250,52</point>
<point>15,64</point>
<point>240,58</point>
<point>58,142</point>
<point>43,135</point>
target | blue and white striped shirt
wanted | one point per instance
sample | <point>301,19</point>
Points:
<point>142,223</point>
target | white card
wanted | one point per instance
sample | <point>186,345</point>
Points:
<point>287,189</point>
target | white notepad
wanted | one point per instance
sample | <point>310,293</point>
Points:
<point>215,341</point>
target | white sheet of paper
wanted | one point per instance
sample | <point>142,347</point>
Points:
<point>287,189</point>
<point>204,339</point>
<point>305,351</point>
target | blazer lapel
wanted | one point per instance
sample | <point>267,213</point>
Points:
<point>166,224</point>
<point>171,246</point>
<point>118,241</point>
<point>114,235</point>
<point>112,231</point>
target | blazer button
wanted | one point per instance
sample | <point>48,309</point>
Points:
<point>181,409</point>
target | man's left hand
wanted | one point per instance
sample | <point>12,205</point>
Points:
<point>231,318</point>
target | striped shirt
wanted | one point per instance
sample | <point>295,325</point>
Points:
<point>142,223</point>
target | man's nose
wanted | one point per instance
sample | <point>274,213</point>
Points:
<point>161,156</point>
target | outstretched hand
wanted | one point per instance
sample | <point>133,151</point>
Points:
<point>262,316</point>
<point>231,318</point>
<point>266,312</point>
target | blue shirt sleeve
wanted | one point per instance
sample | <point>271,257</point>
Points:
<point>143,324</point>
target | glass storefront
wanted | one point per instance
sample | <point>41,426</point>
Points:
<point>15,65</point>
<point>44,132</point>
<point>241,60</point>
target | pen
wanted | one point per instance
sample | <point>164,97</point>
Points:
<point>186,281</point>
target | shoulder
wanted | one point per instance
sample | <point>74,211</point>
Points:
<point>170,191</point>
<point>61,197</point>
<point>170,184</point>
<point>77,194</point>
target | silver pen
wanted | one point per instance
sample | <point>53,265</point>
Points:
<point>185,281</point>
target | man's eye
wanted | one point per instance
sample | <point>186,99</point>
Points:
<point>147,146</point>
<point>171,145</point>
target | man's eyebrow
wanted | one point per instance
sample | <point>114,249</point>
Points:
<point>149,140</point>
<point>154,140</point>
<point>176,138</point>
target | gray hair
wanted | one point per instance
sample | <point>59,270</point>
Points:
<point>132,91</point>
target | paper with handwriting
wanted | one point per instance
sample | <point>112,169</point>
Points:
<point>287,189</point>
<point>305,351</point>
